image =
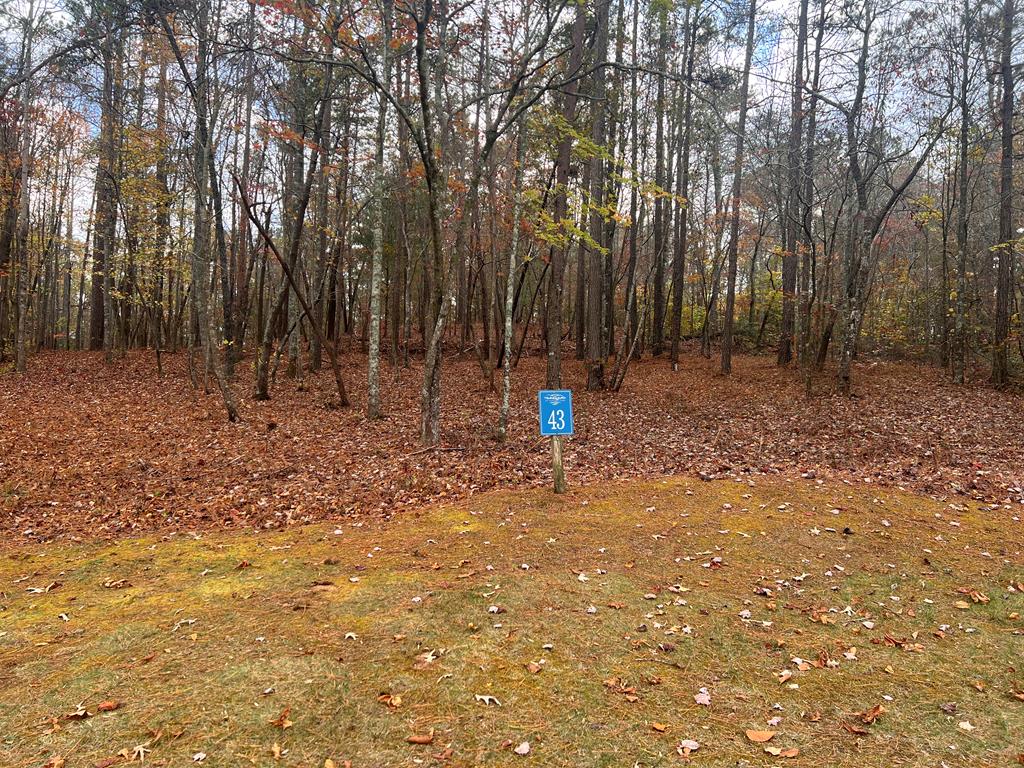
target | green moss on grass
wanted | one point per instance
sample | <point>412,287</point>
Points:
<point>217,635</point>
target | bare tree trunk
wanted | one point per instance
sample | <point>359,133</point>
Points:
<point>808,286</point>
<point>102,249</point>
<point>791,255</point>
<point>289,272</point>
<point>632,321</point>
<point>23,262</point>
<point>111,172</point>
<point>556,275</point>
<point>856,253</point>
<point>683,185</point>
<point>866,223</point>
<point>201,240</point>
<point>517,211</point>
<point>595,342</point>
<point>441,272</point>
<point>737,181</point>
<point>960,303</point>
<point>377,255</point>
<point>660,203</point>
<point>1005,252</point>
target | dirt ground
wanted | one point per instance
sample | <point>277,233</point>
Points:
<point>93,450</point>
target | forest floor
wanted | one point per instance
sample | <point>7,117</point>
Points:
<point>759,622</point>
<point>88,449</point>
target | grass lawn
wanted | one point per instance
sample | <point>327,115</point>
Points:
<point>608,627</point>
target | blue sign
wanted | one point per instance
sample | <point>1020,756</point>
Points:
<point>555,411</point>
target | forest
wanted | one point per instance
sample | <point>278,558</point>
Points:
<point>553,383</point>
<point>289,181</point>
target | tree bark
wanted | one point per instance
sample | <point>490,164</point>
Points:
<point>962,206</point>
<point>373,409</point>
<point>595,342</point>
<point>792,246</point>
<point>517,208</point>
<point>737,181</point>
<point>1005,246</point>
<point>556,275</point>
<point>23,262</point>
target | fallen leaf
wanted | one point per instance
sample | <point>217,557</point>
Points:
<point>975,595</point>
<point>138,752</point>
<point>422,738</point>
<point>43,590</point>
<point>759,737</point>
<point>780,752</point>
<point>425,659</point>
<point>282,721</point>
<point>522,749</point>
<point>659,727</point>
<point>870,715</point>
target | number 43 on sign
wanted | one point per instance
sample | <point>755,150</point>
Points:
<point>555,421</point>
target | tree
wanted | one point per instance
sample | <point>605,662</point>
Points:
<point>29,31</point>
<point>556,273</point>
<point>597,247</point>
<point>1005,246</point>
<point>737,183</point>
<point>792,246</point>
<point>377,258</point>
<point>864,166</point>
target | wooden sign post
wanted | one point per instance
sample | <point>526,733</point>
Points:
<point>555,412</point>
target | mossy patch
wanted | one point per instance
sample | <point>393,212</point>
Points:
<point>593,618</point>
